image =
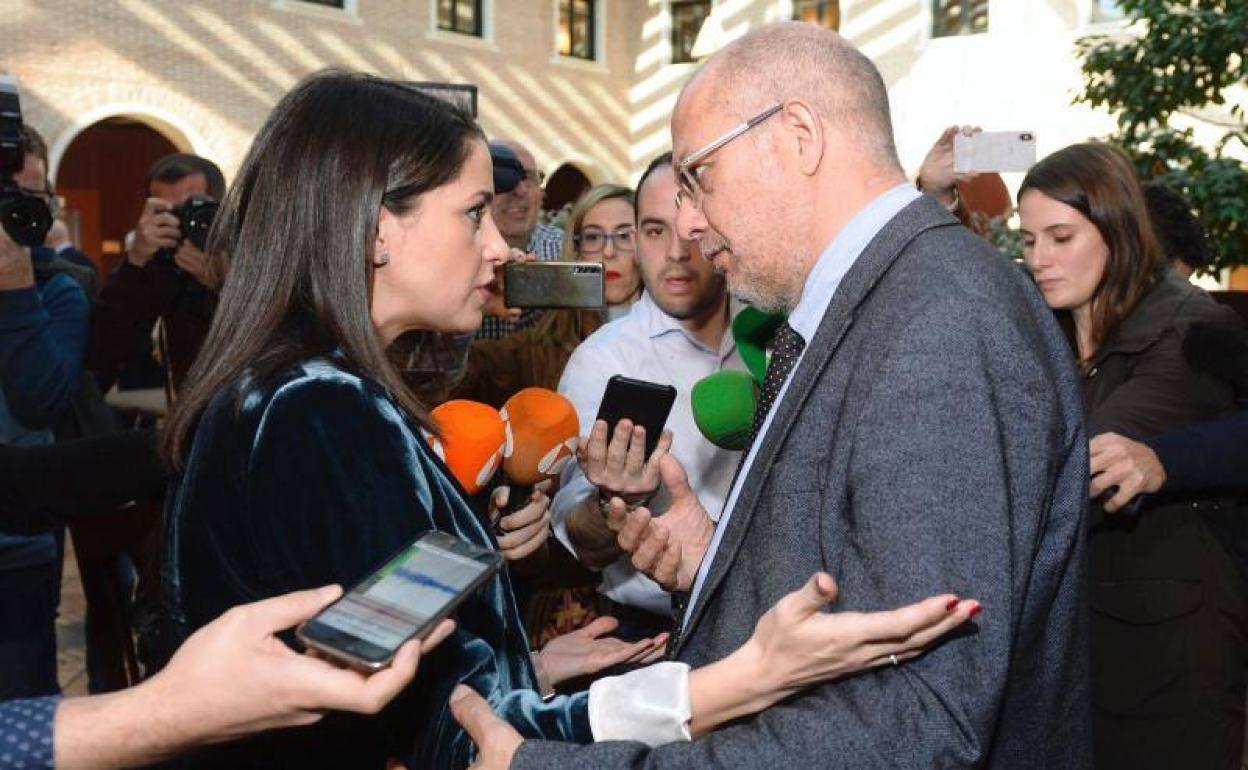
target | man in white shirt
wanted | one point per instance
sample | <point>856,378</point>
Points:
<point>676,334</point>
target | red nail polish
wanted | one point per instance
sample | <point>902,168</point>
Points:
<point>978,608</point>
<point>953,603</point>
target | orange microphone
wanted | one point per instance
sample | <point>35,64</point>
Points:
<point>542,432</point>
<point>471,443</point>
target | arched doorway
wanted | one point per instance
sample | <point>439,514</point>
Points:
<point>100,177</point>
<point>564,186</point>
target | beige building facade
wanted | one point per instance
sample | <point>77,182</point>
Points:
<point>205,73</point>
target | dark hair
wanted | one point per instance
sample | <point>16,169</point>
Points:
<point>1178,230</point>
<point>1098,181</point>
<point>663,160</point>
<point>299,226</point>
<point>34,144</point>
<point>172,169</point>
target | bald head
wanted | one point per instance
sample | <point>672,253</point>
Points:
<point>796,60</point>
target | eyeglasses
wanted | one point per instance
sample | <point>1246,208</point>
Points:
<point>535,178</point>
<point>594,241</point>
<point>687,172</point>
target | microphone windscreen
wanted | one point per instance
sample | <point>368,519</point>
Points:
<point>471,443</point>
<point>752,330</point>
<point>723,407</point>
<point>542,433</point>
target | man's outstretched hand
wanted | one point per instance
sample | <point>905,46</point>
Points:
<point>668,548</point>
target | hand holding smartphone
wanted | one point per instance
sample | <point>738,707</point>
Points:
<point>406,598</point>
<point>994,151</point>
<point>554,285</point>
<point>647,404</point>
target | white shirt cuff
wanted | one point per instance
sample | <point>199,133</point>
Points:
<point>650,705</point>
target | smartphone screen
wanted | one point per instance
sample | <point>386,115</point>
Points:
<point>647,404</point>
<point>406,598</point>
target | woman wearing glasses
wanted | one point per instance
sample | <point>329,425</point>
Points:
<point>600,228</point>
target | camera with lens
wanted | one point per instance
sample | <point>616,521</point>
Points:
<point>26,218</point>
<point>195,216</point>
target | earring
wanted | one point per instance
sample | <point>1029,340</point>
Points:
<point>382,259</point>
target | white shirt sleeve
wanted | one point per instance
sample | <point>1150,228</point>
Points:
<point>650,705</point>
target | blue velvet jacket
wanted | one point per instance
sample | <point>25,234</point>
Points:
<point>315,478</point>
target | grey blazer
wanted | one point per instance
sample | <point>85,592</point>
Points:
<point>931,440</point>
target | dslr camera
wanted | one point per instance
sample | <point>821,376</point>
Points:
<point>195,216</point>
<point>26,218</point>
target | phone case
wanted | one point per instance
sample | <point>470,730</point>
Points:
<point>443,540</point>
<point>647,404</point>
<point>554,285</point>
<point>994,151</point>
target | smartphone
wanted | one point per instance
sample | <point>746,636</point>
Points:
<point>994,151</point>
<point>647,404</point>
<point>404,599</point>
<point>554,285</point>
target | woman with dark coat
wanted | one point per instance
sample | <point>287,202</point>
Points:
<point>1168,604</point>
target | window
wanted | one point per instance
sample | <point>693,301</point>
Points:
<point>1107,10</point>
<point>959,17</point>
<point>825,13</point>
<point>463,16</point>
<point>575,36</point>
<point>687,19</point>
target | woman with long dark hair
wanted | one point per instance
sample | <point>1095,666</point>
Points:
<point>1168,605</point>
<point>362,212</point>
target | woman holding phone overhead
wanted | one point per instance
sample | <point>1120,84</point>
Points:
<point>361,212</point>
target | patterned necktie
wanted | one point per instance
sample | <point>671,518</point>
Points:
<point>786,349</point>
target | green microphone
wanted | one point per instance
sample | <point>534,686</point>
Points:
<point>723,407</point>
<point>752,330</point>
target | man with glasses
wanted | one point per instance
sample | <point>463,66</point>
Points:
<point>675,334</point>
<point>919,430</point>
<point>515,210</point>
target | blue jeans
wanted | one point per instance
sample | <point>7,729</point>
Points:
<point>28,600</point>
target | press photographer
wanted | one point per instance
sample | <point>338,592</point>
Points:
<point>167,276</point>
<point>43,329</point>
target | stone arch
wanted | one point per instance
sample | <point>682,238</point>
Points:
<point>180,132</point>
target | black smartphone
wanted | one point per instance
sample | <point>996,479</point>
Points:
<point>554,285</point>
<point>647,404</point>
<point>406,598</point>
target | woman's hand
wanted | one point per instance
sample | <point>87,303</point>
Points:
<point>803,645</point>
<point>522,533</point>
<point>588,651</point>
<point>796,645</point>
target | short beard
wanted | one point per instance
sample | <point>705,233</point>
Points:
<point>762,292</point>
